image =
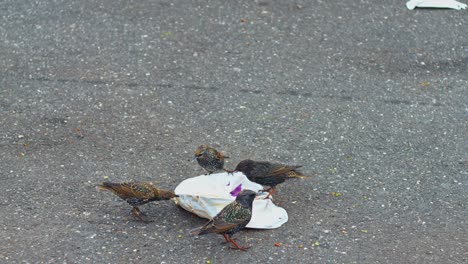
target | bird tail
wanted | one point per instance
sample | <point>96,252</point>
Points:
<point>195,232</point>
<point>205,229</point>
<point>296,174</point>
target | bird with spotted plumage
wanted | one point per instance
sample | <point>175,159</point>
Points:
<point>231,219</point>
<point>137,193</point>
<point>268,173</point>
<point>210,159</point>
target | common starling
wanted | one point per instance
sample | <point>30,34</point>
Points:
<point>231,219</point>
<point>209,159</point>
<point>137,193</point>
<point>267,173</point>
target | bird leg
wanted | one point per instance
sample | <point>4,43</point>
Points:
<point>270,191</point>
<point>136,212</point>
<point>236,246</point>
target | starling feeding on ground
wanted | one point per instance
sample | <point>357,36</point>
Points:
<point>267,173</point>
<point>231,219</point>
<point>210,159</point>
<point>137,193</point>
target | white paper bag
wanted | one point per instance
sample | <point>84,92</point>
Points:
<point>207,195</point>
<point>435,4</point>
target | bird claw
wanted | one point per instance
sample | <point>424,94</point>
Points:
<point>240,248</point>
<point>232,241</point>
<point>136,212</point>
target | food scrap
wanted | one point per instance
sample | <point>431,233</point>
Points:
<point>336,194</point>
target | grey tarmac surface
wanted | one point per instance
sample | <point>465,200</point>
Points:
<point>370,97</point>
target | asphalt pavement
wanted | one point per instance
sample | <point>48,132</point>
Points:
<point>369,96</point>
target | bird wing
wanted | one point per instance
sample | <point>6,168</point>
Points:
<point>213,226</point>
<point>296,174</point>
<point>117,189</point>
<point>217,227</point>
<point>266,169</point>
<point>141,190</point>
<point>229,217</point>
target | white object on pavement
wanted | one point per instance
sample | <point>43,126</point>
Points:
<point>207,195</point>
<point>435,4</point>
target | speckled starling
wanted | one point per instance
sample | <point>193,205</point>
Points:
<point>267,173</point>
<point>231,219</point>
<point>137,193</point>
<point>209,159</point>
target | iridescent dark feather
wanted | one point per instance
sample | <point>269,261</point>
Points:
<point>209,158</point>
<point>231,219</point>
<point>267,173</point>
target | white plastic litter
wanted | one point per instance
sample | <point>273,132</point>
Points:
<point>207,195</point>
<point>435,4</point>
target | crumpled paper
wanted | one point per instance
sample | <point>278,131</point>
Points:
<point>207,195</point>
<point>412,4</point>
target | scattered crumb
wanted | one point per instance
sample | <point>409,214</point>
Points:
<point>336,194</point>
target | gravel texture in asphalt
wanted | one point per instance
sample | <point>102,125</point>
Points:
<point>369,96</point>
